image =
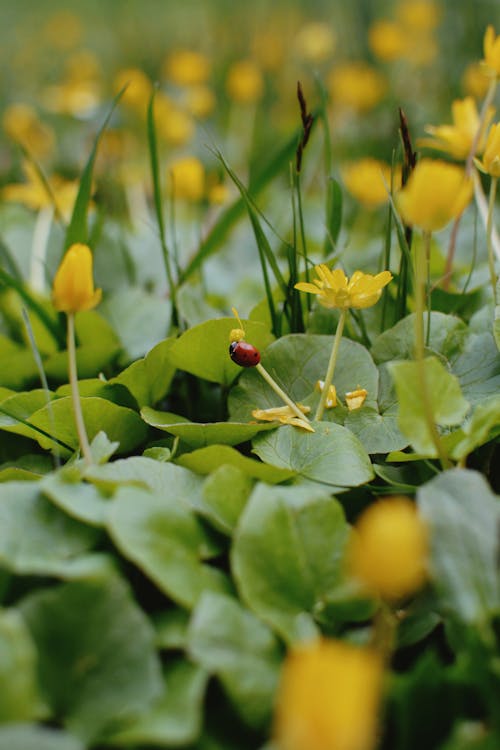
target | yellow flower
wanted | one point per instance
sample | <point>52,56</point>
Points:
<point>388,554</point>
<point>331,399</point>
<point>355,399</point>
<point>244,82</point>
<point>328,697</point>
<point>334,289</point>
<point>419,15</point>
<point>284,415</point>
<point>73,288</point>
<point>435,194</point>
<point>315,42</point>
<point>369,181</point>
<point>491,156</point>
<point>36,195</point>
<point>492,52</point>
<point>199,100</point>
<point>356,86</point>
<point>138,91</point>
<point>457,139</point>
<point>173,124</point>
<point>387,40</point>
<point>187,179</point>
<point>187,67</point>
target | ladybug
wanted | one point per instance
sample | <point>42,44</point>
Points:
<point>243,354</point>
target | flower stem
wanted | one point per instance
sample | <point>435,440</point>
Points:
<point>420,297</point>
<point>280,392</point>
<point>331,366</point>
<point>75,395</point>
<point>489,230</point>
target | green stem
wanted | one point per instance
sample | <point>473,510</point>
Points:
<point>280,392</point>
<point>75,395</point>
<point>331,366</point>
<point>420,296</point>
<point>489,231</point>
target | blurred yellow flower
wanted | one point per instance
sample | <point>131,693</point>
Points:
<point>35,194</point>
<point>73,288</point>
<point>63,30</point>
<point>490,162</point>
<point>173,124</point>
<point>334,289</point>
<point>284,415</point>
<point>435,193</point>
<point>369,181</point>
<point>244,82</point>
<point>418,15</point>
<point>268,48</point>
<point>475,80</point>
<point>387,40</point>
<point>218,194</point>
<point>315,42</point>
<point>388,551</point>
<point>186,67</point>
<point>457,139</point>
<point>356,86</point>
<point>492,52</point>
<point>139,88</point>
<point>328,697</point>
<point>187,179</point>
<point>355,399</point>
<point>199,101</point>
<point>22,124</point>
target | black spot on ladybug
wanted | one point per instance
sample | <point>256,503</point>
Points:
<point>243,354</point>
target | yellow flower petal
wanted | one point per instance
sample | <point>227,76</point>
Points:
<point>73,288</point>
<point>356,399</point>
<point>335,290</point>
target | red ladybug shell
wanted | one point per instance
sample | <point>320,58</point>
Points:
<point>243,354</point>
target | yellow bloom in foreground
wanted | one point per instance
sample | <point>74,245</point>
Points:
<point>334,289</point>
<point>328,698</point>
<point>73,288</point>
<point>492,52</point>
<point>284,415</point>
<point>244,82</point>
<point>457,139</point>
<point>491,157</point>
<point>389,551</point>
<point>355,399</point>
<point>369,181</point>
<point>435,194</point>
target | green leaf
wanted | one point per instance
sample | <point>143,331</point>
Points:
<point>166,541</point>
<point>464,515</point>
<point>97,663</point>
<point>398,342</point>
<point>288,553</point>
<point>18,677</point>
<point>36,538</point>
<point>114,392</point>
<point>333,214</point>
<point>119,423</point>
<point>378,433</point>
<point>204,349</point>
<point>477,367</point>
<point>225,493</point>
<point>77,230</point>
<point>207,460</point>
<point>230,642</point>
<point>78,499</point>
<point>17,364</point>
<point>297,362</point>
<point>447,403</point>
<point>197,435</point>
<point>331,455</point>
<point>483,426</point>
<point>90,360</point>
<point>141,320</point>
<point>171,629</point>
<point>175,719</point>
<point>35,737</point>
<point>149,378</point>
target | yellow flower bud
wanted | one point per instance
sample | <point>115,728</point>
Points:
<point>388,554</point>
<point>328,698</point>
<point>492,52</point>
<point>436,193</point>
<point>73,288</point>
<point>491,157</point>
